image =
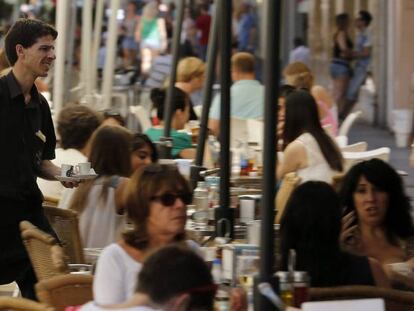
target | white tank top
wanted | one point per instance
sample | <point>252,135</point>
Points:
<point>318,168</point>
<point>99,223</point>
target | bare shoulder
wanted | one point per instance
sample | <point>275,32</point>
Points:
<point>295,152</point>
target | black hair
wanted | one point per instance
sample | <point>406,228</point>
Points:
<point>140,140</point>
<point>285,90</point>
<point>26,32</point>
<point>365,16</point>
<point>342,20</point>
<point>158,97</point>
<point>311,226</point>
<point>113,114</point>
<point>302,116</point>
<point>398,221</point>
<point>298,42</point>
<point>161,277</point>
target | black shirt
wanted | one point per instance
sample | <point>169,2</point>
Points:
<point>26,138</point>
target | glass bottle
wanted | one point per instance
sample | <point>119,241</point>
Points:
<point>200,198</point>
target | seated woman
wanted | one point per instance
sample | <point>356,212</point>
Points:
<point>300,76</point>
<point>182,145</point>
<point>377,221</point>
<point>98,201</point>
<point>143,151</point>
<point>309,151</point>
<point>311,226</point>
<point>156,201</point>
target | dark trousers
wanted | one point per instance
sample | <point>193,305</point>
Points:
<point>14,261</point>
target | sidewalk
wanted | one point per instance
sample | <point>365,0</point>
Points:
<point>376,138</point>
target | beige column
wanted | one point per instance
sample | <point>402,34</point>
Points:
<point>339,6</point>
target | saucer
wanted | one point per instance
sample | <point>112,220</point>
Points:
<point>76,177</point>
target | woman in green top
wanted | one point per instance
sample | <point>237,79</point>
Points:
<point>182,146</point>
<point>151,34</point>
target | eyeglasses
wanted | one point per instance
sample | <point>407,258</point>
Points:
<point>168,199</point>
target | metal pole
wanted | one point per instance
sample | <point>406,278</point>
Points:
<point>86,47</point>
<point>110,55</point>
<point>165,142</point>
<point>271,74</point>
<point>96,40</point>
<point>70,49</point>
<point>207,94</point>
<point>224,215</point>
<point>59,80</point>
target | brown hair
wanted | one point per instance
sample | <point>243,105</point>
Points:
<point>110,156</point>
<point>242,62</point>
<point>145,183</point>
<point>299,75</point>
<point>76,124</point>
<point>189,68</point>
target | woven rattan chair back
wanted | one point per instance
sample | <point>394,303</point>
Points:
<point>46,255</point>
<point>66,225</point>
<point>65,290</point>
<point>22,304</point>
<point>289,183</point>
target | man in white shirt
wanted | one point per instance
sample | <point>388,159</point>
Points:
<point>247,94</point>
<point>300,52</point>
<point>75,126</point>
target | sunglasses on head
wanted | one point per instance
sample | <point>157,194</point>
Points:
<point>168,199</point>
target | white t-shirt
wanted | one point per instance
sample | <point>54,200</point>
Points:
<point>116,274</point>
<point>70,156</point>
<point>91,306</point>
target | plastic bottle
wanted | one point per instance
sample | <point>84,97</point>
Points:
<point>222,299</point>
<point>244,160</point>
<point>213,196</point>
<point>216,271</point>
<point>201,196</point>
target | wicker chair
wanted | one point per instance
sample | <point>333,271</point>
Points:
<point>22,304</point>
<point>46,255</point>
<point>66,225</point>
<point>289,183</point>
<point>51,201</point>
<point>65,290</point>
<point>400,300</point>
<point>337,181</point>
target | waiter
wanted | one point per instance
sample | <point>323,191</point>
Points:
<point>27,144</point>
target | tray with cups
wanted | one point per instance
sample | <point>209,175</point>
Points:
<point>81,171</point>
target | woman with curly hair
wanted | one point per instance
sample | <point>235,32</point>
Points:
<point>377,221</point>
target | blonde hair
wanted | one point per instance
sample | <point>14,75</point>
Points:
<point>189,68</point>
<point>299,75</point>
<point>150,11</point>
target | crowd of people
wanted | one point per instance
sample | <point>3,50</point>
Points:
<point>352,237</point>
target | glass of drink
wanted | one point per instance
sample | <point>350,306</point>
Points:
<point>247,266</point>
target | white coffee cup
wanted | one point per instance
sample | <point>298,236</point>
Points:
<point>83,168</point>
<point>66,170</point>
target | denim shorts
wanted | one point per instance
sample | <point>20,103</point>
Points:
<point>130,43</point>
<point>338,70</point>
